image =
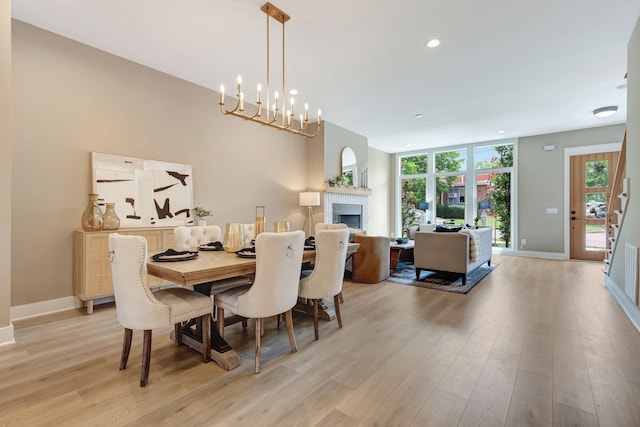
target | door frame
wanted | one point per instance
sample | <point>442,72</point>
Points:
<point>568,153</point>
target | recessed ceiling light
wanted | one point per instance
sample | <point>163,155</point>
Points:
<point>419,116</point>
<point>293,92</point>
<point>433,43</point>
<point>500,131</point>
<point>605,111</point>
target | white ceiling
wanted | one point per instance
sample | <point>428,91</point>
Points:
<point>525,67</point>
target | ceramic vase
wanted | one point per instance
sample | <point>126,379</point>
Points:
<point>110,220</point>
<point>92,218</point>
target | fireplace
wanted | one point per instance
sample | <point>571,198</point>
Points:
<point>349,214</point>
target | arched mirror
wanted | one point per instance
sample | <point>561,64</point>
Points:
<point>348,167</point>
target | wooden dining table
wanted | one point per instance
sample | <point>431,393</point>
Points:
<point>211,266</point>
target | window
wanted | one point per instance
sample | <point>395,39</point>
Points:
<point>460,185</point>
<point>493,190</point>
<point>413,190</point>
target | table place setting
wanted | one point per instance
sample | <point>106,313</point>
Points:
<point>211,246</point>
<point>171,255</point>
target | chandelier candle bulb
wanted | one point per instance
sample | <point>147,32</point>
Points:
<point>259,92</point>
<point>241,101</point>
<point>306,112</point>
<point>221,94</point>
<point>319,114</point>
<point>239,84</point>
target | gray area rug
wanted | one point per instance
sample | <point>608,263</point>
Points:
<point>405,274</point>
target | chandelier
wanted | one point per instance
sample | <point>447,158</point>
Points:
<point>269,116</point>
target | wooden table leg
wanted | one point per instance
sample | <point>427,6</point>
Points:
<point>394,255</point>
<point>227,360</point>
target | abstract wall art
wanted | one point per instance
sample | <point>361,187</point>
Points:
<point>147,193</point>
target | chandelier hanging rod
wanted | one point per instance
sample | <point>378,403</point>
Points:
<point>288,114</point>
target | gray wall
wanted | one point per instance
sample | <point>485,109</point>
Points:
<point>380,199</point>
<point>336,139</point>
<point>630,229</point>
<point>6,333</point>
<point>541,184</point>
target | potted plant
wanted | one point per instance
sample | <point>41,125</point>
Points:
<point>201,213</point>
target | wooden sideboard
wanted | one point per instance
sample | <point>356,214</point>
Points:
<point>91,266</point>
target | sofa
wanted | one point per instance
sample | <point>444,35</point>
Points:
<point>452,251</point>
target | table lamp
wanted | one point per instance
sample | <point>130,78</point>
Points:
<point>310,199</point>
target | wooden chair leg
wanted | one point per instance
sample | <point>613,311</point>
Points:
<point>262,327</point>
<point>258,328</point>
<point>220,316</point>
<point>341,298</point>
<point>206,337</point>
<point>292,338</point>
<point>177,332</point>
<point>315,319</point>
<point>146,358</point>
<point>336,303</point>
<point>126,348</point>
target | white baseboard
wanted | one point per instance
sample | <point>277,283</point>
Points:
<point>6,335</point>
<point>43,307</point>
<point>533,254</point>
<point>632,311</point>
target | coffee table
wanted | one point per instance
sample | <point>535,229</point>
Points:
<point>396,251</point>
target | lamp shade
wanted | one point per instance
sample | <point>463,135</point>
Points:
<point>310,198</point>
<point>484,205</point>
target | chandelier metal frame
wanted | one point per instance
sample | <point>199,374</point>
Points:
<point>271,116</point>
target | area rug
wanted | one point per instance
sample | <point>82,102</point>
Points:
<point>405,274</point>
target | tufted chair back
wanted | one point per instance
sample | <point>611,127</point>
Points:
<point>189,238</point>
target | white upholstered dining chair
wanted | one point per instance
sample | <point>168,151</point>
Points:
<point>190,238</point>
<point>275,288</point>
<point>326,279</point>
<point>139,308</point>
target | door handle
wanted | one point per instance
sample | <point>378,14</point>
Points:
<point>573,218</point>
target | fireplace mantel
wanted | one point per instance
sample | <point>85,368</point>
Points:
<point>343,189</point>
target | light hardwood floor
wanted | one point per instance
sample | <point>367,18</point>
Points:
<point>537,342</point>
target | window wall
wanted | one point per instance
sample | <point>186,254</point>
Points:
<point>466,185</point>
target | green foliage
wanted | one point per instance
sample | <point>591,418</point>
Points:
<point>501,194</point>
<point>596,173</point>
<point>201,212</point>
<point>413,165</point>
<point>450,211</point>
<point>413,192</point>
<point>449,161</point>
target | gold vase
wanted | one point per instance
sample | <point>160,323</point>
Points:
<point>110,220</point>
<point>260,221</point>
<point>92,217</point>
<point>281,226</point>
<point>233,240</point>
